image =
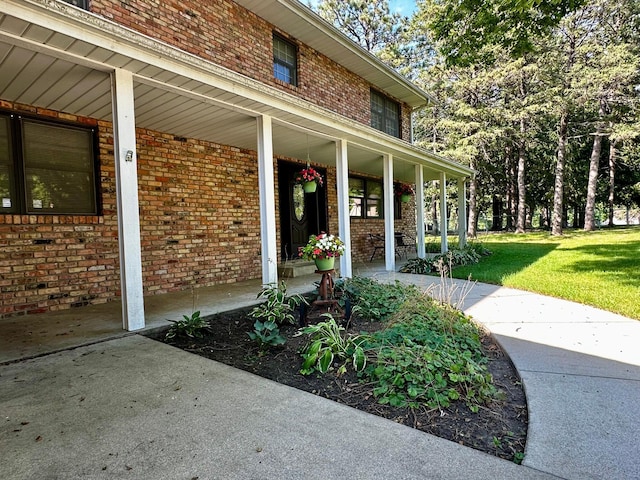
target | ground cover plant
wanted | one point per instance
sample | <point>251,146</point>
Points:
<point>441,263</point>
<point>402,356</point>
<point>600,268</point>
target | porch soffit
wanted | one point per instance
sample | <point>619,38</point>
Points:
<point>44,63</point>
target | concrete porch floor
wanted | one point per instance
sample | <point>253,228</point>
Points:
<point>29,336</point>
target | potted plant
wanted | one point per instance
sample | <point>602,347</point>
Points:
<point>323,249</point>
<point>309,178</point>
<point>404,191</point>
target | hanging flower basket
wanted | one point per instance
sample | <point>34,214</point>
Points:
<point>404,191</point>
<point>309,178</point>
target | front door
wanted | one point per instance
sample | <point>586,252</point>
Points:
<point>301,214</point>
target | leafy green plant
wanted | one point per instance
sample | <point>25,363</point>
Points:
<point>190,326</point>
<point>468,255</point>
<point>429,354</point>
<point>277,310</point>
<point>419,266</point>
<point>267,334</point>
<point>375,300</point>
<point>328,342</point>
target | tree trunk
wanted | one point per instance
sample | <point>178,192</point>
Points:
<point>497,214</point>
<point>522,207</point>
<point>511,191</point>
<point>558,188</point>
<point>589,210</point>
<point>434,212</point>
<point>612,180</point>
<point>472,222</point>
<point>522,197</point>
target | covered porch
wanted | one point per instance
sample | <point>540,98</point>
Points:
<point>57,57</point>
<point>30,336</point>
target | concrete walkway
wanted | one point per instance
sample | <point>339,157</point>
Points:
<point>133,408</point>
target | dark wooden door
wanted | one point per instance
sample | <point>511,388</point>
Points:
<point>301,214</point>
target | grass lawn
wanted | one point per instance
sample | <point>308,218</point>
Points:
<point>600,268</point>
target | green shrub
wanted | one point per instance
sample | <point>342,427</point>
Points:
<point>375,300</point>
<point>266,334</point>
<point>190,326</point>
<point>328,342</point>
<point>276,311</point>
<point>430,354</point>
<point>469,255</point>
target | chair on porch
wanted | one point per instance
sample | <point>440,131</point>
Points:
<point>402,245</point>
<point>377,242</point>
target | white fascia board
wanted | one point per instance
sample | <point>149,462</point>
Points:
<point>102,33</point>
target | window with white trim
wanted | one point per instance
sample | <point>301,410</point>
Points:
<point>285,60</point>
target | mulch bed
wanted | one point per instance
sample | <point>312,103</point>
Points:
<point>498,428</point>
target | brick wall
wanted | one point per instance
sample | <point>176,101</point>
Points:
<point>199,220</point>
<point>229,35</point>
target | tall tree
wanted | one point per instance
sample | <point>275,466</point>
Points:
<point>610,63</point>
<point>369,23</point>
<point>460,26</point>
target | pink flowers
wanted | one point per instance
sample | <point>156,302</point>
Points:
<point>322,246</point>
<point>403,189</point>
<point>309,174</point>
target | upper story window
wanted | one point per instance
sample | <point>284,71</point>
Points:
<point>84,4</point>
<point>385,114</point>
<point>365,198</point>
<point>285,60</point>
<point>46,168</point>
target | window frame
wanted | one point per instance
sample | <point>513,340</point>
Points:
<point>365,199</point>
<point>291,67</point>
<point>390,112</point>
<point>18,183</point>
<point>83,4</point>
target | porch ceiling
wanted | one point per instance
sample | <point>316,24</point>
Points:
<point>52,68</point>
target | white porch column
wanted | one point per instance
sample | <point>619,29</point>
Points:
<point>124,151</point>
<point>462,212</point>
<point>444,245</point>
<point>267,201</point>
<point>420,225</point>
<point>344,221</point>
<point>389,221</point>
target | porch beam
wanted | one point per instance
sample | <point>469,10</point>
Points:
<point>444,245</point>
<point>344,221</point>
<point>420,223</point>
<point>389,220</point>
<point>462,212</point>
<point>124,140</point>
<point>267,197</point>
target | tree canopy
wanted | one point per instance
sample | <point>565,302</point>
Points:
<point>540,97</point>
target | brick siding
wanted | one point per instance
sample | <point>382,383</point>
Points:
<point>199,206</point>
<point>231,36</point>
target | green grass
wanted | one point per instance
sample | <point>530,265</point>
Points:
<point>599,268</point>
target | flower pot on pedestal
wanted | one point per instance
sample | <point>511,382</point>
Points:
<point>324,264</point>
